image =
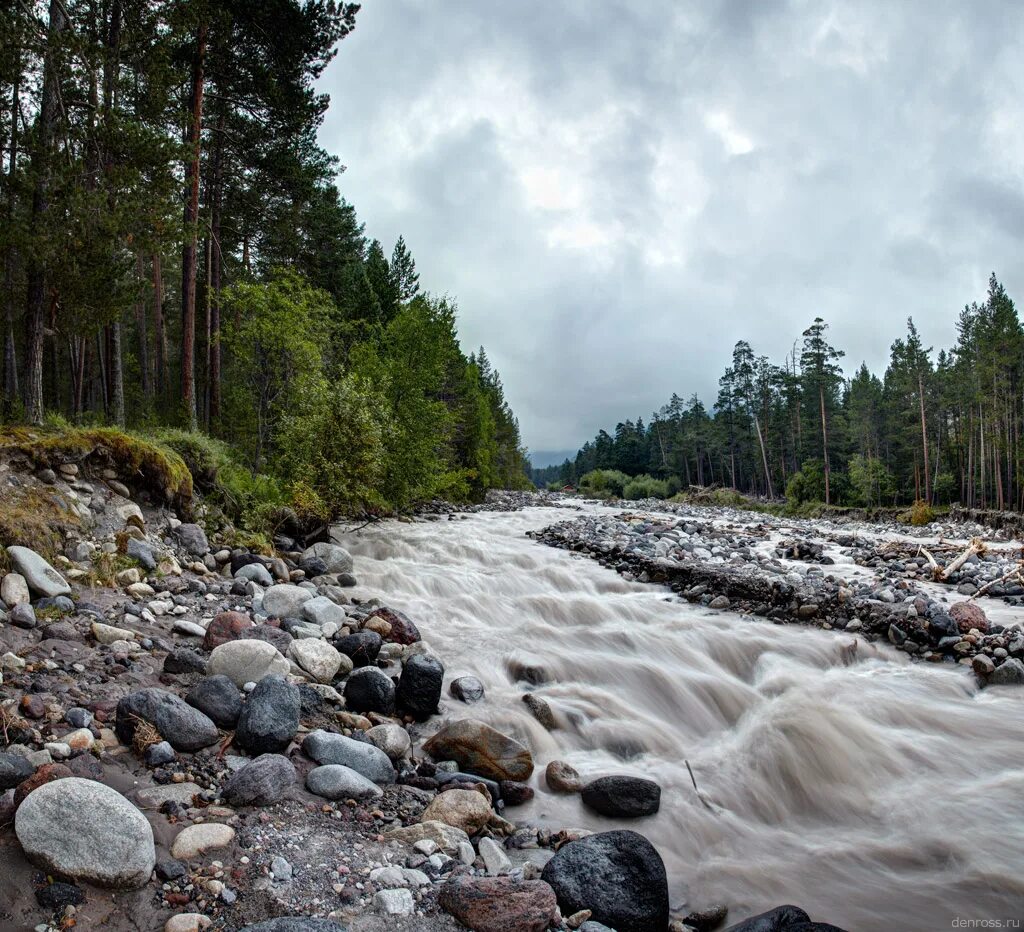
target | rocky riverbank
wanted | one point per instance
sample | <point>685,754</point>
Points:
<point>197,736</point>
<point>872,581</point>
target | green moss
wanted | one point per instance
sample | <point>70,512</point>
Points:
<point>138,459</point>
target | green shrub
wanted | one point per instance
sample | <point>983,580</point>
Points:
<point>920,514</point>
<point>331,449</point>
<point>604,483</point>
<point>641,487</point>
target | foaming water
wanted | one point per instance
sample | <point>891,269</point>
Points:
<point>876,793</point>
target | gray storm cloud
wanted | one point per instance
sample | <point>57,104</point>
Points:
<point>616,193</point>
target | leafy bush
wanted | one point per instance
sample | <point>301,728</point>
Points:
<point>331,447</point>
<point>920,514</point>
<point>641,487</point>
<point>806,486</point>
<point>604,483</point>
<point>871,483</point>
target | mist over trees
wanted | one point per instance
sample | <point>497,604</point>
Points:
<point>936,428</point>
<point>175,253</point>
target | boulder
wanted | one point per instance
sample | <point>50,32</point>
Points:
<point>321,611</point>
<point>393,740</point>
<point>225,627</point>
<point>402,630</point>
<point>370,689</point>
<point>478,748</point>
<point>419,688</point>
<point>262,782</point>
<point>336,781</point>
<point>196,840</point>
<point>184,660</point>
<point>465,809</point>
<point>141,553</point>
<point>969,615</point>
<point>318,659</point>
<point>255,572</point>
<point>14,589</point>
<point>618,876</point>
<point>622,796</point>
<point>218,699</point>
<point>41,578</point>
<point>336,559</point>
<point>780,919</point>
<point>326,747</point>
<point>1009,673</point>
<point>285,600</point>
<point>13,770</point>
<point>272,635</point>
<point>562,777</point>
<point>192,539</point>
<point>247,661</point>
<point>361,648</point>
<point>87,831</point>
<point>467,689</point>
<point>499,904</point>
<point>270,716</point>
<point>178,723</point>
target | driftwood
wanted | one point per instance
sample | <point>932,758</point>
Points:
<point>1016,571</point>
<point>977,545</point>
<point>936,569</point>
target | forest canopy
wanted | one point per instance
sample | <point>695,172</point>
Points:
<point>932,428</point>
<point>176,255</point>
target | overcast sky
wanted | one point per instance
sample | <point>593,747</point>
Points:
<point>614,193</point>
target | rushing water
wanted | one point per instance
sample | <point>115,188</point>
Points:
<point>876,793</point>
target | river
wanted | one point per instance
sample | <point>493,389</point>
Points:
<point>876,793</point>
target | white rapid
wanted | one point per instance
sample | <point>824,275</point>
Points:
<point>875,793</point>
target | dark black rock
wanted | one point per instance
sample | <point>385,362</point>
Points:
<point>347,580</point>
<point>514,793</point>
<point>618,875</point>
<point>240,559</point>
<point>22,615</point>
<point>467,689</point>
<point>13,769</point>
<point>186,728</point>
<point>270,716</point>
<point>369,689</point>
<point>272,635</point>
<point>218,698</point>
<point>312,567</point>
<point>361,648</point>
<point>262,782</point>
<point>941,625</point>
<point>310,701</point>
<point>156,755</point>
<point>419,689</point>
<point>170,869</point>
<point>58,895</point>
<point>622,797</point>
<point>184,660</point>
<point>780,919</point>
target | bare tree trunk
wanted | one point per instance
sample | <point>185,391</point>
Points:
<point>36,291</point>
<point>159,327</point>
<point>141,330</point>
<point>824,444</point>
<point>217,271</point>
<point>764,457</point>
<point>116,375</point>
<point>188,253</point>
<point>207,308</point>
<point>10,389</point>
<point>924,440</point>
